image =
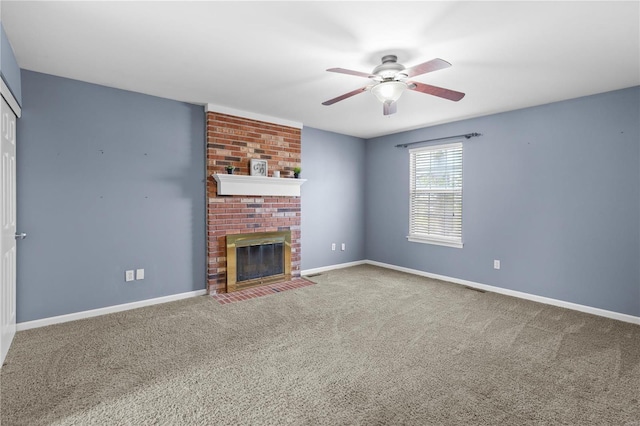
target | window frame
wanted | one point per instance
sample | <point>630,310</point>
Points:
<point>455,242</point>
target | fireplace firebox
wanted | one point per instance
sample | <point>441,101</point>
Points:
<point>257,259</point>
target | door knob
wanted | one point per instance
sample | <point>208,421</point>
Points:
<point>21,236</point>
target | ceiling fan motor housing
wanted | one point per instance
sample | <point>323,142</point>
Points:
<point>390,69</point>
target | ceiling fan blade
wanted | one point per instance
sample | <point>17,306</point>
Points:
<point>351,72</point>
<point>429,66</point>
<point>452,95</point>
<point>389,108</point>
<point>345,96</point>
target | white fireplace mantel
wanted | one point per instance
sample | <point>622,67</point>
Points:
<point>257,185</point>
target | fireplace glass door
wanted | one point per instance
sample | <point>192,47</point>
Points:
<point>258,259</point>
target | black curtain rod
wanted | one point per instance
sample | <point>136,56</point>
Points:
<point>467,136</point>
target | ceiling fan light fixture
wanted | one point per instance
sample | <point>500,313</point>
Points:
<point>388,91</point>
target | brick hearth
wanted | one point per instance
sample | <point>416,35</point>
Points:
<point>266,290</point>
<point>235,140</point>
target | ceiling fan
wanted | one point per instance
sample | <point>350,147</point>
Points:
<point>391,80</point>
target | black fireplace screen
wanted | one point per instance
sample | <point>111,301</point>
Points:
<point>259,261</point>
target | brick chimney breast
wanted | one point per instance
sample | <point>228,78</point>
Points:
<point>235,141</point>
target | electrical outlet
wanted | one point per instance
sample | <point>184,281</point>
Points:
<point>333,246</point>
<point>344,247</point>
<point>139,274</point>
<point>129,276</point>
<point>496,264</point>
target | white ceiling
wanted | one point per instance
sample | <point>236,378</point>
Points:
<point>270,58</point>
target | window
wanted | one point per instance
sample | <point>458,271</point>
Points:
<point>435,212</point>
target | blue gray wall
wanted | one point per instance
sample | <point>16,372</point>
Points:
<point>552,191</point>
<point>9,69</point>
<point>332,198</point>
<point>108,180</point>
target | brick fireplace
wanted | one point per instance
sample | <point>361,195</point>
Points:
<point>233,140</point>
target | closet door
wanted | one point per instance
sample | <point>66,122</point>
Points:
<point>8,223</point>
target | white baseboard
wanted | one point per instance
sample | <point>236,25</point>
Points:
<point>331,267</point>
<point>133,305</point>
<point>106,310</point>
<point>546,300</point>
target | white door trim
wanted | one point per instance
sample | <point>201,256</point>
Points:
<point>11,100</point>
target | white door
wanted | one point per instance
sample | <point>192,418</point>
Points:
<point>8,223</point>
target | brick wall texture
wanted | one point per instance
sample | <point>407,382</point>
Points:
<point>235,140</point>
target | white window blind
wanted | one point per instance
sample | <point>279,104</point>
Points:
<point>436,195</point>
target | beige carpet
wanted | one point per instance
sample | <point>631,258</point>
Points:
<point>365,346</point>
